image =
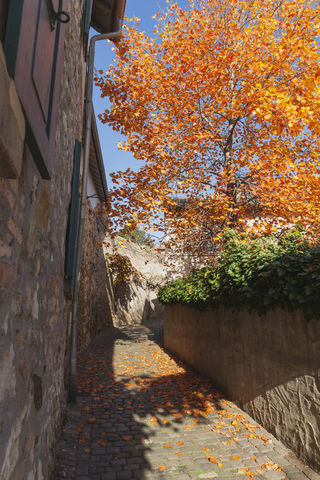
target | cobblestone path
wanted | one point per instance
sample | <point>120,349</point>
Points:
<point>142,414</point>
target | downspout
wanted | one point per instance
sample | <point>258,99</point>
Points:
<point>88,111</point>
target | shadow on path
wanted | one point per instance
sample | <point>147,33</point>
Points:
<point>143,414</point>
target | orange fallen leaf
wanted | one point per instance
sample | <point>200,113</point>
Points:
<point>206,449</point>
<point>166,446</point>
<point>87,450</point>
<point>102,442</point>
<point>180,443</point>
<point>220,465</point>
<point>80,427</point>
<point>253,458</point>
<point>271,466</point>
<point>178,453</point>
<point>235,458</point>
<point>127,438</point>
<point>162,467</point>
<point>243,470</point>
<point>92,420</point>
<point>211,459</point>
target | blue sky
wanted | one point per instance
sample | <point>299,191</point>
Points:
<point>114,159</point>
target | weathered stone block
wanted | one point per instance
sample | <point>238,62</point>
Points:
<point>12,125</point>
<point>8,275</point>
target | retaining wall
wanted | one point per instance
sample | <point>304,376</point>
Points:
<point>268,365</point>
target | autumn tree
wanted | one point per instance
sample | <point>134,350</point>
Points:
<point>222,105</point>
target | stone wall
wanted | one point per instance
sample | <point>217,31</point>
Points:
<point>33,308</point>
<point>268,365</point>
<point>136,300</point>
<point>96,307</point>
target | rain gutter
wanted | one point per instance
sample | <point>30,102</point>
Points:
<point>117,23</point>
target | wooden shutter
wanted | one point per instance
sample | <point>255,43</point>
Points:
<point>34,52</point>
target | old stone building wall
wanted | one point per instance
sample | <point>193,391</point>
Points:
<point>96,308</point>
<point>34,310</point>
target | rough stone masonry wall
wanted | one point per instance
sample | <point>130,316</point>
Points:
<point>96,308</point>
<point>136,299</point>
<point>33,309</point>
<point>268,365</point>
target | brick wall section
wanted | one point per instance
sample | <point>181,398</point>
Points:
<point>269,365</point>
<point>96,297</point>
<point>33,308</point>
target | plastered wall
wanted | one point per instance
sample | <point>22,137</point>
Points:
<point>268,365</point>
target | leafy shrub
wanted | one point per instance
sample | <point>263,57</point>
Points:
<point>255,273</point>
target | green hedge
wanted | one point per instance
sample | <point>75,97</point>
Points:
<point>259,274</point>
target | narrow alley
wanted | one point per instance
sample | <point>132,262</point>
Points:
<point>143,414</point>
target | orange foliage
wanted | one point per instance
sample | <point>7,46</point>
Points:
<point>223,107</point>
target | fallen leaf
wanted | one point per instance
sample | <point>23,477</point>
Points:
<point>271,466</point>
<point>206,449</point>
<point>92,420</point>
<point>166,446</point>
<point>104,443</point>
<point>180,443</point>
<point>211,459</point>
<point>178,453</point>
<point>161,467</point>
<point>235,458</point>
<point>127,438</point>
<point>87,450</point>
<point>243,470</point>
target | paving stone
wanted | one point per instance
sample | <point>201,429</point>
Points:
<point>208,475</point>
<point>124,475</point>
<point>109,476</point>
<point>270,475</point>
<point>121,408</point>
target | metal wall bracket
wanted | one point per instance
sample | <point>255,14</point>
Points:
<point>54,16</point>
